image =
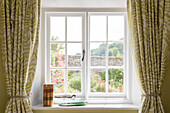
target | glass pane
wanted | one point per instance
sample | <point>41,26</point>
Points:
<point>74,28</point>
<point>57,28</point>
<point>98,80</point>
<point>115,80</point>
<point>98,53</point>
<point>115,54</point>
<point>58,77</point>
<point>97,28</point>
<point>115,28</point>
<point>74,54</point>
<point>74,81</point>
<point>58,55</point>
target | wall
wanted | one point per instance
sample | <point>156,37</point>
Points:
<point>75,61</point>
<point>83,3</point>
<point>165,96</point>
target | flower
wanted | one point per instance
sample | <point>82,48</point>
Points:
<point>56,80</point>
<point>56,74</point>
<point>62,79</point>
<point>120,88</point>
<point>59,74</point>
<point>57,55</point>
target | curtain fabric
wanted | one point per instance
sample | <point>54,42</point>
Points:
<point>149,29</point>
<point>19,33</point>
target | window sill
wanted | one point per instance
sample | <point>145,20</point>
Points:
<point>89,106</point>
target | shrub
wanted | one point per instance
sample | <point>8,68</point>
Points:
<point>100,87</point>
<point>75,82</point>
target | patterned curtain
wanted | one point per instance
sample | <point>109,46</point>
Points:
<point>149,26</point>
<point>19,32</point>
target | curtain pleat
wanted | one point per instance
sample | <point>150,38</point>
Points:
<point>149,30</point>
<point>19,32</point>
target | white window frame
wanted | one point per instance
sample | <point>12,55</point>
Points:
<point>112,98</point>
<point>114,94</point>
<point>48,78</point>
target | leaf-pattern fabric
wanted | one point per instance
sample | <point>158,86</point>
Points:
<point>149,29</point>
<point>19,34</point>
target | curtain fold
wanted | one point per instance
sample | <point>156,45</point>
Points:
<point>19,32</point>
<point>149,30</point>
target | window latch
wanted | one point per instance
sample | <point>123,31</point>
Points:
<point>83,55</point>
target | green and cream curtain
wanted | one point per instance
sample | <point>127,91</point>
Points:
<point>149,29</point>
<point>19,34</point>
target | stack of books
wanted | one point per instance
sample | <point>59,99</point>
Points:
<point>48,90</point>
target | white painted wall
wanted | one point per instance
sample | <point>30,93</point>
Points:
<point>84,3</point>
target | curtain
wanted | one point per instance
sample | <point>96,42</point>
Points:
<point>149,29</point>
<point>19,32</point>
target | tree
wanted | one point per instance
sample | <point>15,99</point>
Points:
<point>113,50</point>
<point>118,55</point>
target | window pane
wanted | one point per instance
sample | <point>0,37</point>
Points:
<point>74,54</point>
<point>97,28</point>
<point>57,28</point>
<point>74,81</point>
<point>115,28</point>
<point>115,54</point>
<point>98,80</point>
<point>74,28</point>
<point>58,77</point>
<point>115,80</point>
<point>98,53</point>
<point>58,55</point>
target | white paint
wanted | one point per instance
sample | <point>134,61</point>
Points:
<point>83,3</point>
<point>90,106</point>
<point>40,75</point>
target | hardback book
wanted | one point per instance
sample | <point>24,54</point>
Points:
<point>48,90</point>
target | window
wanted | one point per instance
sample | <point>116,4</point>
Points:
<point>106,52</point>
<point>86,54</point>
<point>66,44</point>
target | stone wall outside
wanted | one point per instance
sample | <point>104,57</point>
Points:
<point>75,61</point>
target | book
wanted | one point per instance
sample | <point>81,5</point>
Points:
<point>48,90</point>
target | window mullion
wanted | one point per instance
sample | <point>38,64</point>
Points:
<point>107,55</point>
<point>66,59</point>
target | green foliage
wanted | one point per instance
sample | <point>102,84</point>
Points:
<point>101,51</point>
<point>97,79</point>
<point>116,77</point>
<point>94,79</point>
<point>115,81</point>
<point>75,82</point>
<point>113,50</point>
<point>101,87</point>
<point>115,74</point>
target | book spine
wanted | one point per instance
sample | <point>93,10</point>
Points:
<point>44,96</point>
<point>48,96</point>
<point>51,95</point>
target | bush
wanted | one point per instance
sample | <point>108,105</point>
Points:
<point>75,82</point>
<point>100,87</point>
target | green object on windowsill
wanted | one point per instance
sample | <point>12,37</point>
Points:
<point>73,104</point>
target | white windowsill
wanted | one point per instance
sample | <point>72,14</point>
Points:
<point>89,106</point>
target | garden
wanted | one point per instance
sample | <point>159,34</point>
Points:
<point>98,81</point>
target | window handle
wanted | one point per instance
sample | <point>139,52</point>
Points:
<point>83,55</point>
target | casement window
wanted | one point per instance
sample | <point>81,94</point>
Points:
<point>87,54</point>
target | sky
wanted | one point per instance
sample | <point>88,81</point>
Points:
<point>97,30</point>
